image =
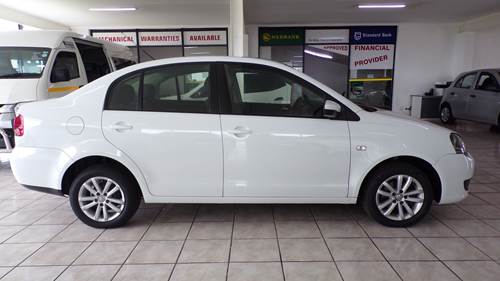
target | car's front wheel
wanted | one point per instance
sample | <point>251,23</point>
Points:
<point>398,195</point>
<point>446,115</point>
<point>104,197</point>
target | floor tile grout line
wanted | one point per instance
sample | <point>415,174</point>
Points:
<point>381,253</point>
<point>135,246</point>
<point>278,242</point>
<point>326,245</point>
<point>230,244</point>
<point>183,243</point>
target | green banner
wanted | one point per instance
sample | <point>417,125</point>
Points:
<point>281,36</point>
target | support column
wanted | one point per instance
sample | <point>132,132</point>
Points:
<point>236,28</point>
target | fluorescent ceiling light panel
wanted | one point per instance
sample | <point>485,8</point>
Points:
<point>382,6</point>
<point>125,9</point>
<point>318,54</point>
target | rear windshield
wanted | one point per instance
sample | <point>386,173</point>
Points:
<point>21,62</point>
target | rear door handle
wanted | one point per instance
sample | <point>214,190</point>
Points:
<point>240,132</point>
<point>452,94</point>
<point>121,127</point>
<point>472,96</point>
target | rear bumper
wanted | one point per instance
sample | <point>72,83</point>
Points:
<point>39,166</point>
<point>455,172</point>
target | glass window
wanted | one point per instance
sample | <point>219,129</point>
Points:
<point>65,62</point>
<point>467,81</point>
<point>22,62</point>
<point>177,88</point>
<point>289,55</point>
<point>205,51</point>
<point>258,90</point>
<point>122,63</point>
<point>487,82</point>
<point>155,53</point>
<point>125,94</point>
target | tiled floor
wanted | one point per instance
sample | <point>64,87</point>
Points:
<point>40,238</point>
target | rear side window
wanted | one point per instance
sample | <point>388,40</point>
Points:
<point>467,81</point>
<point>122,63</point>
<point>487,82</point>
<point>125,94</point>
<point>177,88</point>
<point>65,67</point>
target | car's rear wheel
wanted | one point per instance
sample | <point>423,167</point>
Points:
<point>446,115</point>
<point>398,195</point>
<point>104,197</point>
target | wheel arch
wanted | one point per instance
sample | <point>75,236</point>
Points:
<point>418,162</point>
<point>81,164</point>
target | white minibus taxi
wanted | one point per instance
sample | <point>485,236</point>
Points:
<point>40,65</point>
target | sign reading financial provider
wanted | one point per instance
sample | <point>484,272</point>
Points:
<point>281,36</point>
<point>374,35</point>
<point>160,38</point>
<point>205,37</point>
<point>125,38</point>
<point>372,56</point>
<point>327,36</point>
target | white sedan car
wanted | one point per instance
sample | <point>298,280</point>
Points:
<point>231,130</point>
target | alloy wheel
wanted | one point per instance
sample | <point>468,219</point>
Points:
<point>445,114</point>
<point>400,197</point>
<point>101,199</point>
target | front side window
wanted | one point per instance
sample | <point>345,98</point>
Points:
<point>259,90</point>
<point>177,88</point>
<point>467,81</point>
<point>125,94</point>
<point>487,82</point>
<point>65,67</point>
<point>122,63</point>
<point>20,62</point>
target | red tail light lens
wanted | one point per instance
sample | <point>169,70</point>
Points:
<point>19,126</point>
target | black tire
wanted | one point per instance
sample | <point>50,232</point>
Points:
<point>446,117</point>
<point>382,174</point>
<point>129,189</point>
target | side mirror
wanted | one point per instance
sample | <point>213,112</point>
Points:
<point>60,75</point>
<point>331,109</point>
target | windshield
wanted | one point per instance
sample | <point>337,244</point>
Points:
<point>21,62</point>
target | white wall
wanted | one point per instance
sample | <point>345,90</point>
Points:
<point>423,57</point>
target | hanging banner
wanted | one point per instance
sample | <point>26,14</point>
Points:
<point>327,36</point>
<point>374,35</point>
<point>127,38</point>
<point>372,56</point>
<point>204,37</point>
<point>160,38</point>
<point>281,36</point>
<point>341,49</point>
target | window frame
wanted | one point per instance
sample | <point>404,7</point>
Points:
<point>213,104</point>
<point>459,82</point>
<point>54,65</point>
<point>479,79</point>
<point>346,113</point>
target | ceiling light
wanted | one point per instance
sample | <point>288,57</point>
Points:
<point>318,54</point>
<point>112,9</point>
<point>382,6</point>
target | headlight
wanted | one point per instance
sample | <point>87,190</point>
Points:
<point>458,143</point>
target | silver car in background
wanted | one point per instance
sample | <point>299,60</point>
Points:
<point>474,96</point>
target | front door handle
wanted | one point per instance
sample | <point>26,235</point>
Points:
<point>452,94</point>
<point>472,96</point>
<point>240,132</point>
<point>121,127</point>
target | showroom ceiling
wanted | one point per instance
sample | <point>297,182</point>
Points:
<point>214,12</point>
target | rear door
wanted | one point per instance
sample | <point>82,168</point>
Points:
<point>166,120</point>
<point>484,100</point>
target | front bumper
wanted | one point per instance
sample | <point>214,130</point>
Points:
<point>455,172</point>
<point>39,166</point>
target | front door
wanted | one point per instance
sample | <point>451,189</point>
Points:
<point>460,95</point>
<point>276,142</point>
<point>66,74</point>
<point>165,121</point>
<point>484,101</point>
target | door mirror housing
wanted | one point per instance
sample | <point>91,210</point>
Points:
<point>331,109</point>
<point>60,75</point>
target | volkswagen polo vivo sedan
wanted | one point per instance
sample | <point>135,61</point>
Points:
<point>231,130</point>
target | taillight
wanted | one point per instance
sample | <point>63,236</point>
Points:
<point>19,126</point>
